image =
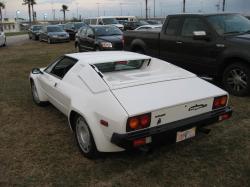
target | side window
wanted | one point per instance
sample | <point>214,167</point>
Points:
<point>61,67</point>
<point>172,26</point>
<point>89,32</point>
<point>192,24</point>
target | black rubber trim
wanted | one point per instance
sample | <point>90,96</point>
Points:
<point>125,140</point>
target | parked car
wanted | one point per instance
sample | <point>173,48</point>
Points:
<point>117,100</point>
<point>2,39</point>
<point>53,34</point>
<point>211,45</point>
<point>154,22</point>
<point>61,25</point>
<point>34,32</point>
<point>72,28</point>
<point>132,25</point>
<point>99,38</point>
<point>149,27</point>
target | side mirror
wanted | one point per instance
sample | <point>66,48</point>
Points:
<point>36,71</point>
<point>200,35</point>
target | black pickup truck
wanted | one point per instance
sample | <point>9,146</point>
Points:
<point>212,46</point>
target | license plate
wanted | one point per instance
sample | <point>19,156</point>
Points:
<point>183,135</point>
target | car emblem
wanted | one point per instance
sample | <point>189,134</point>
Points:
<point>197,107</point>
<point>159,121</point>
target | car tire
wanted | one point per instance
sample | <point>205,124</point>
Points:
<point>33,37</point>
<point>84,138</point>
<point>5,43</point>
<point>49,41</point>
<point>236,79</point>
<point>35,95</point>
<point>140,51</point>
<point>77,48</point>
<point>97,48</point>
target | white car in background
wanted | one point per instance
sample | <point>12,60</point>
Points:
<point>149,27</point>
<point>120,100</point>
<point>2,39</point>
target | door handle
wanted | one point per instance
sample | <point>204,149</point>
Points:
<point>179,42</point>
<point>55,85</point>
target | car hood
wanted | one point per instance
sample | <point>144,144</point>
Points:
<point>243,37</point>
<point>114,38</point>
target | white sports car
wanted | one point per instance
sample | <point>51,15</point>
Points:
<point>120,100</point>
<point>2,39</point>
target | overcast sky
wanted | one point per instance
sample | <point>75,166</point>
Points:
<point>89,8</point>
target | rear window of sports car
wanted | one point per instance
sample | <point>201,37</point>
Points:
<point>121,65</point>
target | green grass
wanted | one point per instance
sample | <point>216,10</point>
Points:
<point>38,149</point>
<point>15,33</point>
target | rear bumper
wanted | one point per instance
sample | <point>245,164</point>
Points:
<point>126,140</point>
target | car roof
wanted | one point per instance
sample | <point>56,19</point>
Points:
<point>98,26</point>
<point>201,14</point>
<point>106,56</point>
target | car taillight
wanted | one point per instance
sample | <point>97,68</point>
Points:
<point>219,102</point>
<point>138,122</point>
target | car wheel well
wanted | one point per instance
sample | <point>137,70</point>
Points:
<point>72,117</point>
<point>227,62</point>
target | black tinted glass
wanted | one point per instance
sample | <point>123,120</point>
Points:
<point>172,26</point>
<point>192,24</point>
<point>55,29</point>
<point>107,31</point>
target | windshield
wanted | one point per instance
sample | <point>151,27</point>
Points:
<point>37,28</point>
<point>55,29</point>
<point>108,21</point>
<point>120,66</point>
<point>79,25</point>
<point>107,31</point>
<point>229,24</point>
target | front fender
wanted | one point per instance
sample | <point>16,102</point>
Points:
<point>41,93</point>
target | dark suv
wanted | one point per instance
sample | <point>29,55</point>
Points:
<point>99,38</point>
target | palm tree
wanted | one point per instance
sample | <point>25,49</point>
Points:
<point>32,3</point>
<point>28,2</point>
<point>64,9</point>
<point>2,6</point>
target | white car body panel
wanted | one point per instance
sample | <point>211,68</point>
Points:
<point>158,87</point>
<point>2,38</point>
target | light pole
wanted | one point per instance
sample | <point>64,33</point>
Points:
<point>223,5</point>
<point>121,7</point>
<point>184,6</point>
<point>154,8</point>
<point>146,2</point>
<point>98,8</point>
<point>45,16</point>
<point>17,15</point>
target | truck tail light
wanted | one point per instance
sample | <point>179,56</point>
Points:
<point>138,122</point>
<point>219,102</point>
